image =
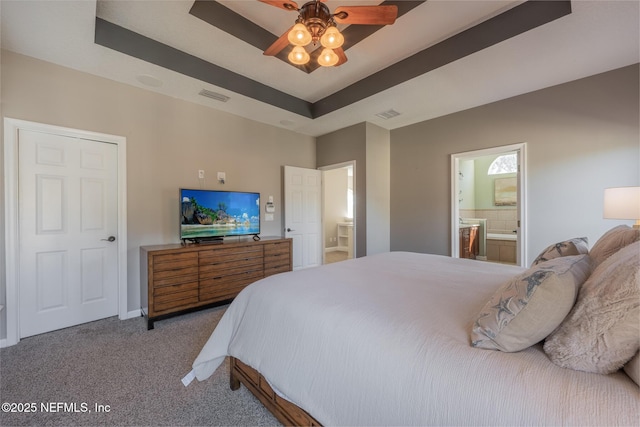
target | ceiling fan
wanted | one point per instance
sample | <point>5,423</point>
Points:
<point>316,23</point>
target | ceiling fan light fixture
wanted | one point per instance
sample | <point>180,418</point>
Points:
<point>328,58</point>
<point>299,35</point>
<point>298,56</point>
<point>332,38</point>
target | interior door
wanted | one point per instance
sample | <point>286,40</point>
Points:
<point>68,218</point>
<point>302,215</point>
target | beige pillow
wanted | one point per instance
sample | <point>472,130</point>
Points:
<point>602,332</point>
<point>612,241</point>
<point>577,246</point>
<point>632,368</point>
<point>528,307</point>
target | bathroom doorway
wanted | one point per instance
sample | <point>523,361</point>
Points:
<point>338,224</point>
<point>488,195</point>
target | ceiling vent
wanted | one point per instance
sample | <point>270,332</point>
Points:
<point>214,95</point>
<point>388,114</point>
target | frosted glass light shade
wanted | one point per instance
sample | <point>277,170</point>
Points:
<point>622,203</point>
<point>299,35</point>
<point>332,39</point>
<point>298,56</point>
<point>328,58</point>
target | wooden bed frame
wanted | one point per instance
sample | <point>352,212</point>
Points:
<point>286,412</point>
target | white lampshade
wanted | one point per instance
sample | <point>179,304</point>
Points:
<point>299,35</point>
<point>328,58</point>
<point>299,56</point>
<point>332,38</point>
<point>622,203</point>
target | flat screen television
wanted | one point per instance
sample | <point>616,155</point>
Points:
<point>207,215</point>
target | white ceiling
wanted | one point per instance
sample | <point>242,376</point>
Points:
<point>597,36</point>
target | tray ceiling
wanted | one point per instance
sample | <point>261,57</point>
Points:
<point>439,57</point>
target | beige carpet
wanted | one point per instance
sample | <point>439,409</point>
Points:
<point>132,372</point>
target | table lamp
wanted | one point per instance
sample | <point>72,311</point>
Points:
<point>622,203</point>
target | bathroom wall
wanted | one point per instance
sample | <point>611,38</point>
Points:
<point>335,203</point>
<point>477,192</point>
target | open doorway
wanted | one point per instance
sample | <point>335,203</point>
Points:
<point>488,205</point>
<point>338,224</point>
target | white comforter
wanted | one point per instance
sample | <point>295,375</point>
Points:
<point>384,340</point>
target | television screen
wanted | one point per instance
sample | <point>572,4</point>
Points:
<point>211,214</point>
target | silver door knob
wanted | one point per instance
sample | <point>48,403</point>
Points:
<point>109,239</point>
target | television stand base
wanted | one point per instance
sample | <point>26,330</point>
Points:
<point>204,240</point>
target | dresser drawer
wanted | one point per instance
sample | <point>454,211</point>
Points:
<point>174,261</point>
<point>175,297</point>
<point>229,255</point>
<point>226,287</point>
<point>282,248</point>
<point>230,269</point>
<point>271,270</point>
<point>174,277</point>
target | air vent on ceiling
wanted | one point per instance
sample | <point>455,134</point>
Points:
<point>388,114</point>
<point>214,95</point>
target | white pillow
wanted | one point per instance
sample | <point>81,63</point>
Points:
<point>528,307</point>
<point>612,241</point>
<point>602,332</point>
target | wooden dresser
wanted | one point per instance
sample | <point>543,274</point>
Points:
<point>175,279</point>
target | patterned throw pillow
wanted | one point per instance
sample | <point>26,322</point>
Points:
<point>612,241</point>
<point>577,246</point>
<point>528,307</point>
<point>602,332</point>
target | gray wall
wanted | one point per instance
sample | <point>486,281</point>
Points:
<point>168,141</point>
<point>343,146</point>
<point>378,194</point>
<point>582,137</point>
<point>334,185</point>
<point>369,146</point>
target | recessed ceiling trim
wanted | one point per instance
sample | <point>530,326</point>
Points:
<point>220,16</point>
<point>131,43</point>
<point>511,23</point>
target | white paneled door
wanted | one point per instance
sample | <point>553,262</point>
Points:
<point>302,215</point>
<point>68,222</point>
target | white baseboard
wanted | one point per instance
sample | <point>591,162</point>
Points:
<point>130,315</point>
<point>133,314</point>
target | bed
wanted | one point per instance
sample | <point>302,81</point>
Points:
<point>385,340</point>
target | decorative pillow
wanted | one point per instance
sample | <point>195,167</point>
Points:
<point>577,246</point>
<point>602,331</point>
<point>632,368</point>
<point>528,307</point>
<point>612,241</point>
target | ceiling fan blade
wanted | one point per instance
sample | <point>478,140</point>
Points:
<point>278,45</point>
<point>341,55</point>
<point>282,4</point>
<point>367,15</point>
